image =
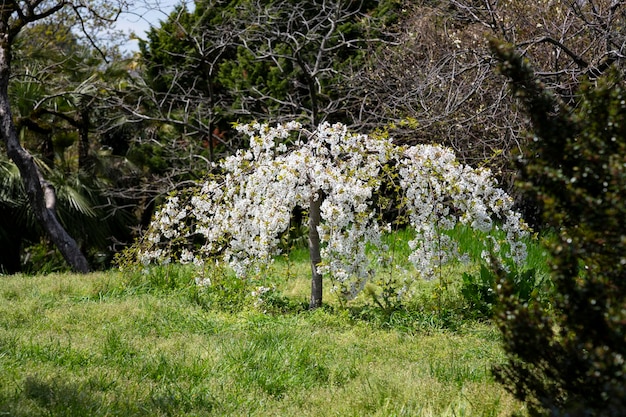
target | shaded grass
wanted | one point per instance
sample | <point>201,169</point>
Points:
<point>113,345</point>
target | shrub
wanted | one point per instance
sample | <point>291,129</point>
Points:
<point>480,290</point>
<point>570,360</point>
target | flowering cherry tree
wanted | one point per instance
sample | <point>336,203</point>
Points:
<point>237,218</point>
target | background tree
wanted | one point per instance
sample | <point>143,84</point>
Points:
<point>438,84</point>
<point>569,360</point>
<point>233,61</point>
<point>171,125</point>
<point>295,57</point>
<point>41,194</point>
<point>61,114</point>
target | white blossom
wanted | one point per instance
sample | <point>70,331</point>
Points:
<point>240,215</point>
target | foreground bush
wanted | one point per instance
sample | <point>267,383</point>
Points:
<point>570,361</point>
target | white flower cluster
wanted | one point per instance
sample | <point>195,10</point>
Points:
<point>441,193</point>
<point>239,217</point>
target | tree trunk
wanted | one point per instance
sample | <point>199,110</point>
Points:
<point>41,195</point>
<point>314,250</point>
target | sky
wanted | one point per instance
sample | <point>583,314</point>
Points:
<point>140,16</point>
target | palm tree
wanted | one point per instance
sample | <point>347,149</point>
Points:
<point>54,92</point>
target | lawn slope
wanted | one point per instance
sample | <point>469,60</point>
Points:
<point>102,345</point>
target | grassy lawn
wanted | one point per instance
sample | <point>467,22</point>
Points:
<point>107,344</point>
<point>152,343</point>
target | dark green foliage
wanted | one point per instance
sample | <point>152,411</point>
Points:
<point>149,156</point>
<point>570,360</point>
<point>479,290</point>
<point>82,208</point>
<point>168,46</point>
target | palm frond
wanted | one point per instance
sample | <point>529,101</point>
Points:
<point>11,188</point>
<point>71,197</point>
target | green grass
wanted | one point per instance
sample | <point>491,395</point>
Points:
<point>155,344</point>
<point>109,344</point>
